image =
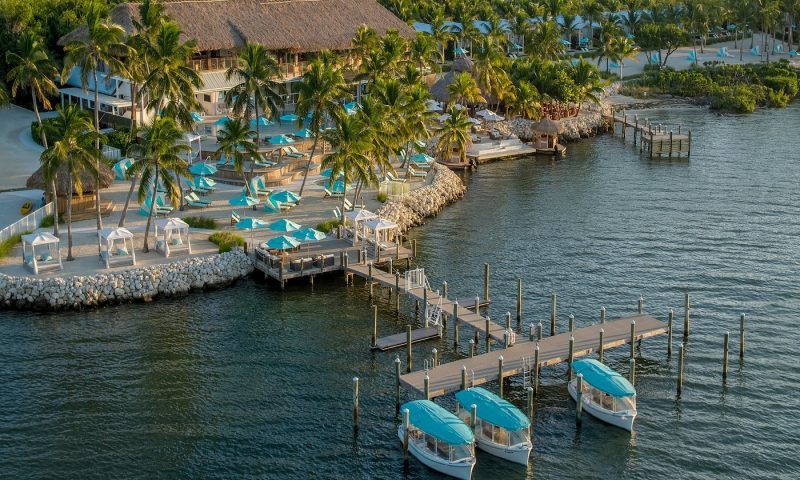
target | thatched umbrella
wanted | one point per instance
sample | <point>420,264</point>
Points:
<point>549,127</point>
<point>62,181</point>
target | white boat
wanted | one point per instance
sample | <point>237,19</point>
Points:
<point>607,395</point>
<point>501,428</point>
<point>438,439</point>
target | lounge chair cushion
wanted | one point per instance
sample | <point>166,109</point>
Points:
<point>122,251</point>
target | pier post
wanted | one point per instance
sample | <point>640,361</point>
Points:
<point>641,305</point>
<point>444,289</point>
<point>519,300</point>
<point>686,320</point>
<point>463,377</point>
<point>531,332</point>
<point>570,357</point>
<point>455,324</point>
<point>669,332</point>
<point>536,369</point>
<point>359,256</point>
<point>500,373</point>
<point>601,348</point>
<point>488,338</point>
<point>374,326</point>
<point>670,144</point>
<point>435,354</point>
<point>414,248</point>
<point>632,378</point>
<point>552,314</point>
<point>408,349</point>
<point>416,311</point>
<point>406,415</point>
<point>602,315</point>
<point>571,323</point>
<point>530,401</point>
<point>680,368</point>
<point>741,336</point>
<point>426,388</point>
<point>389,266</point>
<point>397,249</point>
<point>539,331</point>
<point>635,127</point>
<point>355,404</point>
<point>613,122</point>
<point>725,356</point>
<point>486,282</point>
<point>397,291</point>
<point>471,348</point>
<point>477,304</point>
<point>578,399</point>
<point>425,304</point>
<point>624,124</point>
<point>689,151</point>
<point>369,278</point>
<point>397,383</point>
<point>473,416</point>
<point>633,337</point>
<point>508,320</point>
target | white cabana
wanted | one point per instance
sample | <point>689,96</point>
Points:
<point>41,251</point>
<point>174,236</point>
<point>381,230</point>
<point>189,138</point>
<point>116,246</point>
<point>357,218</point>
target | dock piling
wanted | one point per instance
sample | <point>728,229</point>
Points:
<point>455,324</point>
<point>425,304</point>
<point>500,373</point>
<point>601,347</point>
<point>669,332</point>
<point>444,289</point>
<point>536,369</point>
<point>741,336</point>
<point>397,291</point>
<point>369,279</point>
<point>463,377</point>
<point>408,349</point>
<point>508,320</point>
<point>725,344</point>
<point>633,337</point>
<point>602,315</point>
<point>416,311</point>
<point>473,416</point>
<point>406,415</point>
<point>530,400</point>
<point>414,248</point>
<point>641,305</point>
<point>427,387</point>
<point>355,404</point>
<point>552,314</point>
<point>632,378</point>
<point>486,282</point>
<point>539,331</point>
<point>471,348</point>
<point>488,338</point>
<point>397,383</point>
<point>435,354</point>
<point>571,356</point>
<point>374,326</point>
<point>477,304</point>
<point>578,399</point>
<point>519,300</point>
<point>531,333</point>
<point>680,368</point>
<point>686,321</point>
<point>571,323</point>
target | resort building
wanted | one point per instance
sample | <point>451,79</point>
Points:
<point>293,30</point>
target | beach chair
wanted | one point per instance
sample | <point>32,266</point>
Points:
<point>337,213</point>
<point>235,218</point>
<point>264,163</point>
<point>655,58</point>
<point>392,178</point>
<point>330,194</point>
<point>416,174</point>
<point>755,51</point>
<point>692,56</point>
<point>792,53</point>
<point>292,151</point>
<point>194,201</point>
<point>223,161</point>
<point>347,205</point>
<point>777,49</point>
<point>721,52</point>
<point>614,65</point>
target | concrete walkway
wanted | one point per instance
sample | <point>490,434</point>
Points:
<point>19,154</point>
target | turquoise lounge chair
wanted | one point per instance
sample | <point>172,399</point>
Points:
<point>755,51</point>
<point>195,203</point>
<point>692,56</point>
<point>614,65</point>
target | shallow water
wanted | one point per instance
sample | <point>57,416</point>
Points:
<point>253,382</point>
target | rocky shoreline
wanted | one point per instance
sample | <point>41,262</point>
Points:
<point>137,284</point>
<point>412,208</point>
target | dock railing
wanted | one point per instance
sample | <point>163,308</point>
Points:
<point>29,222</point>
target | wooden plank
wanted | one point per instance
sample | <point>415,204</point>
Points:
<point>399,339</point>
<point>447,377</point>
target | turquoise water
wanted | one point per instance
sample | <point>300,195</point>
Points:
<point>253,382</point>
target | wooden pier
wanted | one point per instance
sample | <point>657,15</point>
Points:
<point>552,350</point>
<point>655,140</point>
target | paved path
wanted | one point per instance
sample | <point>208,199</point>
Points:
<point>19,154</point>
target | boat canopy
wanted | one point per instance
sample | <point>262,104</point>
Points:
<point>603,378</point>
<point>438,422</point>
<point>493,409</point>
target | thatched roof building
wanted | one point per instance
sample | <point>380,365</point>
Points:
<point>439,88</point>
<point>290,25</point>
<point>62,180</point>
<point>547,126</point>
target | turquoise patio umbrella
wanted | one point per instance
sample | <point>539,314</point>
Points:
<point>222,120</point>
<point>421,158</point>
<point>309,235</point>
<point>196,117</point>
<point>282,243</point>
<point>285,196</point>
<point>328,172</point>
<point>261,121</point>
<point>272,206</point>
<point>284,225</point>
<point>304,133</point>
<point>202,169</point>
<point>280,140</point>
<point>289,117</point>
<point>243,201</point>
<point>251,224</point>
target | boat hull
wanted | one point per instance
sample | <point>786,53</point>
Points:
<point>517,454</point>
<point>460,470</point>
<point>621,420</point>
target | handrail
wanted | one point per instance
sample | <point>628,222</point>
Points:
<point>30,222</point>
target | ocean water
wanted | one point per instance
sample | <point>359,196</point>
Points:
<point>252,382</point>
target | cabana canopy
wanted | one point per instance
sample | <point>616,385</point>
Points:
<point>174,236</point>
<point>51,259</point>
<point>115,246</point>
<point>356,217</point>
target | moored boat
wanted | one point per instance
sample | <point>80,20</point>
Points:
<point>501,429</point>
<point>438,439</point>
<point>607,395</point>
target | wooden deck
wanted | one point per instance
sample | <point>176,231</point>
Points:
<point>400,339</point>
<point>654,140</point>
<point>484,368</point>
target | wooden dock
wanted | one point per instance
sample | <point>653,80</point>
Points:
<point>484,368</point>
<point>401,340</point>
<point>657,140</point>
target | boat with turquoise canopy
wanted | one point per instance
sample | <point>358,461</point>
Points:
<point>501,428</point>
<point>438,439</point>
<point>607,395</point>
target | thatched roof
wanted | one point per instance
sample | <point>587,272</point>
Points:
<point>548,127</point>
<point>293,25</point>
<point>462,64</point>
<point>62,180</point>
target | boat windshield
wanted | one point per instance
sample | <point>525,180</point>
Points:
<point>517,437</point>
<point>608,402</point>
<point>623,404</point>
<point>460,452</point>
<point>442,449</point>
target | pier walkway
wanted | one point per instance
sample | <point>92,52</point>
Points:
<point>484,368</point>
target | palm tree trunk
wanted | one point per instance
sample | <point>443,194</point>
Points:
<point>97,146</point>
<point>308,164</point>
<point>134,100</point>
<point>146,247</point>
<point>53,192</point>
<point>127,201</point>
<point>181,206</point>
<point>69,221</point>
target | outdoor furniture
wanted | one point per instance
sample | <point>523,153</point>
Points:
<point>116,246</point>
<point>235,218</point>
<point>194,203</point>
<point>43,260</point>
<point>159,210</point>
<point>416,174</point>
<point>330,194</point>
<point>174,236</point>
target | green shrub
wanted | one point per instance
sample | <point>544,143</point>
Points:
<point>382,197</point>
<point>226,241</point>
<point>118,139</point>
<point>12,242</point>
<point>46,222</point>
<point>778,99</point>
<point>201,222</point>
<point>789,85</point>
<point>36,132</point>
<point>328,225</point>
<point>739,99</point>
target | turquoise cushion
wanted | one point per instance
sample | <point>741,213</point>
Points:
<point>122,251</point>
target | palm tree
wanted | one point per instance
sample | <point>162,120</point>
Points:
<point>350,143</point>
<point>490,69</point>
<point>454,132</point>
<point>545,41</point>
<point>157,153</point>
<point>319,93</point>
<point>587,82</point>
<point>464,90</point>
<point>424,52</point>
<point>32,68</point>
<point>235,141</point>
<point>624,49</point>
<point>442,32</point>
<point>102,45</point>
<point>365,40</point>
<point>140,43</point>
<point>72,154</point>
<point>258,91</point>
<point>526,103</point>
<point>4,97</point>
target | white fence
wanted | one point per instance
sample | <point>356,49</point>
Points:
<point>30,221</point>
<point>393,189</point>
<point>112,153</point>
